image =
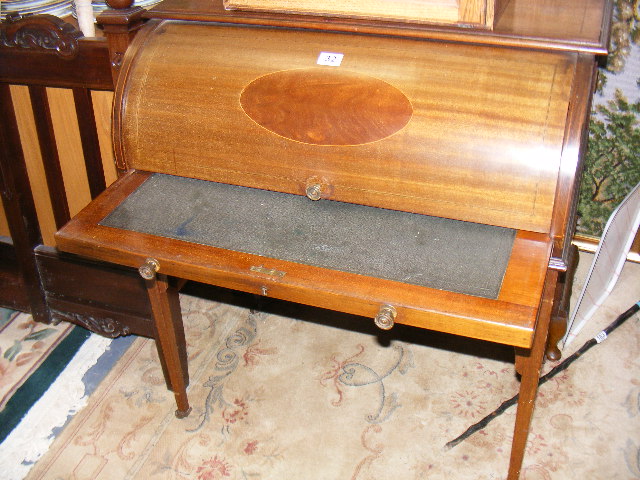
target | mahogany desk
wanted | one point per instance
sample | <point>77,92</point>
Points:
<point>417,181</point>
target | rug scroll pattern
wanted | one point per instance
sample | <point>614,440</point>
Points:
<point>275,397</point>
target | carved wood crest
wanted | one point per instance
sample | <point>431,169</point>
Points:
<point>40,32</point>
<point>107,327</point>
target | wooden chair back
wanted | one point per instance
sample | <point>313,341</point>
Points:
<point>55,149</point>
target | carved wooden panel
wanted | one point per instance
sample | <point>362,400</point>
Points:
<point>45,32</point>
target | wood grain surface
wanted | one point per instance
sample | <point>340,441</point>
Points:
<point>309,106</point>
<point>483,144</point>
<point>33,161</point>
<point>545,24</point>
<point>436,11</point>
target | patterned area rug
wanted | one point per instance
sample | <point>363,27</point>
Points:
<point>301,393</point>
<point>48,372</point>
<point>25,347</point>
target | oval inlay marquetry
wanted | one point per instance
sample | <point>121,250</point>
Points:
<point>326,107</point>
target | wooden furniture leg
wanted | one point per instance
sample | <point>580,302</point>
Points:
<point>170,339</point>
<point>560,314</point>
<point>528,365</point>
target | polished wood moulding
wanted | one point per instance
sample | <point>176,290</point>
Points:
<point>576,25</point>
<point>479,13</point>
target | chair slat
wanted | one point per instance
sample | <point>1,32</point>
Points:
<point>90,141</point>
<point>50,157</point>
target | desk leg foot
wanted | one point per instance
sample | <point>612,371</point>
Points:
<point>183,413</point>
<point>182,403</point>
<point>170,341</point>
<point>529,364</point>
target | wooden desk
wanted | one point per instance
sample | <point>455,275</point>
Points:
<point>478,137</point>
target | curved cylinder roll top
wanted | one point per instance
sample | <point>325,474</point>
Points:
<point>469,132</point>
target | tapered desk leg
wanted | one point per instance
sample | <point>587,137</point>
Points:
<point>170,339</point>
<point>529,364</point>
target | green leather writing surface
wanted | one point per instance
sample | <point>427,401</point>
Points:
<point>417,249</point>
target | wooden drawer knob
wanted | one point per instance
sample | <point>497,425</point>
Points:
<point>385,317</point>
<point>314,191</point>
<point>149,268</point>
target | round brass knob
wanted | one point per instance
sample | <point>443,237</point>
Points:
<point>149,268</point>
<point>314,191</point>
<point>385,317</point>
